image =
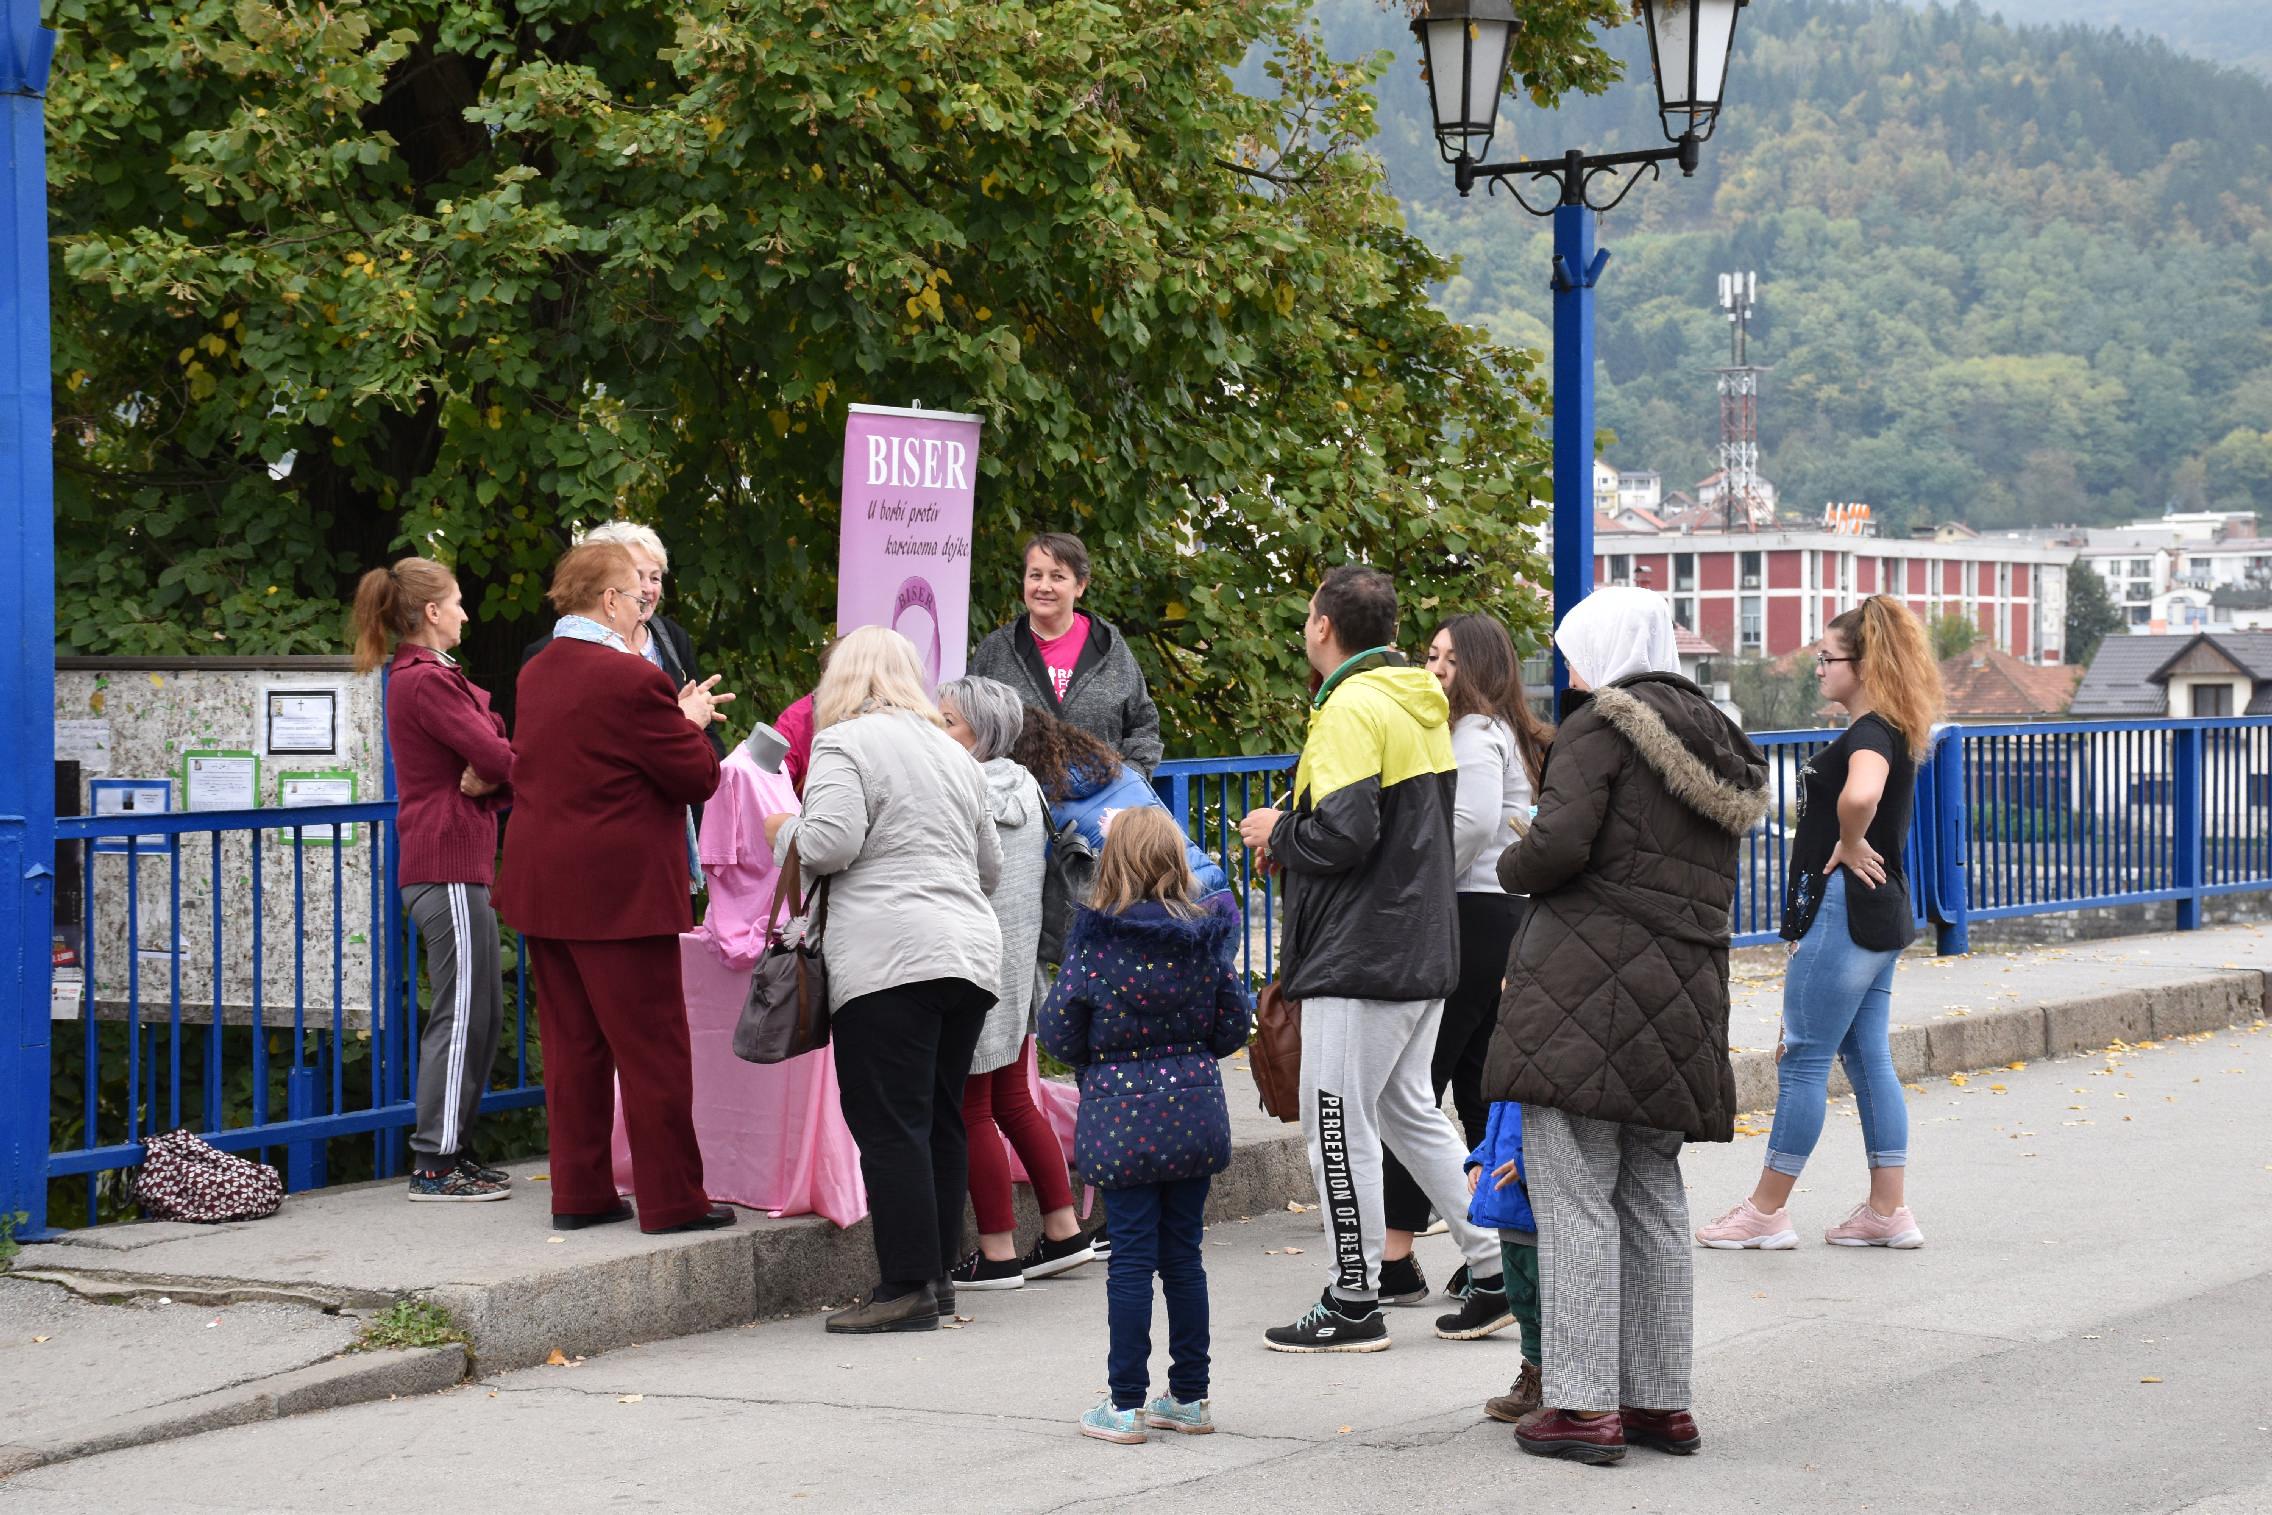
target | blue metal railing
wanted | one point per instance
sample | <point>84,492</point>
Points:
<point>343,1068</point>
<point>2010,820</point>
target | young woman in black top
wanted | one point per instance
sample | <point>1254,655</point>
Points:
<point>1847,916</point>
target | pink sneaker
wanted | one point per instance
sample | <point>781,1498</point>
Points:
<point>1866,1228</point>
<point>1749,1226</point>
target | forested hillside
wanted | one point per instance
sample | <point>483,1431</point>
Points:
<point>2238,32</point>
<point>2008,275</point>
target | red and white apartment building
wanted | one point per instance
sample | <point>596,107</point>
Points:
<point>1770,592</point>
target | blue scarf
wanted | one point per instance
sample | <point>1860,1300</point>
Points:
<point>582,628</point>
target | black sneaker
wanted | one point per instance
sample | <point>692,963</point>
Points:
<point>453,1186</point>
<point>1326,1328</point>
<point>1462,1284</point>
<point>474,1167</point>
<point>1484,1311</point>
<point>978,1271</point>
<point>1402,1282</point>
<point>1050,1258</point>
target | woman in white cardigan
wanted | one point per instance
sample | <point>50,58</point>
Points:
<point>1500,747</point>
<point>986,715</point>
<point>896,820</point>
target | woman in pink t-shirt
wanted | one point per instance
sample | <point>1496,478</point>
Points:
<point>1075,665</point>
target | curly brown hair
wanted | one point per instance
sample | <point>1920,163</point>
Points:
<point>1053,751</point>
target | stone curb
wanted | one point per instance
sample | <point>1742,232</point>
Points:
<point>2208,1001</point>
<point>354,1378</point>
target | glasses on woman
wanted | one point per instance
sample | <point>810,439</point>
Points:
<point>1824,660</point>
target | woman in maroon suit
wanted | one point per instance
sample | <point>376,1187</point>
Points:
<point>605,761</point>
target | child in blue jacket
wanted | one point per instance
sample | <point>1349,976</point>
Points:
<point>1147,1000</point>
<point>1502,1201</point>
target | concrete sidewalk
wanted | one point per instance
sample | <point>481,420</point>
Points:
<point>521,1292</point>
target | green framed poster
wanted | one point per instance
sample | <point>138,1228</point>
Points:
<point>303,788</point>
<point>220,778</point>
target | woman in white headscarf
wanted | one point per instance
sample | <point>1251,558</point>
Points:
<point>1613,1032</point>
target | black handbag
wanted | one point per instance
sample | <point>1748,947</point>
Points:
<point>786,1014</point>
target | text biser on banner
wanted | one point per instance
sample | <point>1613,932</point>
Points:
<point>903,559</point>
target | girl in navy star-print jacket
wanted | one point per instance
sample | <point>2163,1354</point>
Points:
<point>1147,999</point>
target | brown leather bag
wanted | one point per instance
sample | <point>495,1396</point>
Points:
<point>1276,1053</point>
<point>787,1014</point>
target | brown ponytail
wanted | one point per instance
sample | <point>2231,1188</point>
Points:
<point>1896,661</point>
<point>390,604</point>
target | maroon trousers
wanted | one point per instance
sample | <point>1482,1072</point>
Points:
<point>611,1011</point>
<point>999,1104</point>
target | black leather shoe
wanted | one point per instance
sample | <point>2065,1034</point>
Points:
<point>621,1212</point>
<point>720,1217</point>
<point>916,1311</point>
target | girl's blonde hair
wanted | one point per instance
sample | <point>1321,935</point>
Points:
<point>1898,670</point>
<point>390,604</point>
<point>1143,861</point>
<point>872,668</point>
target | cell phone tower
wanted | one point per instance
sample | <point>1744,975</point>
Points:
<point>1740,500</point>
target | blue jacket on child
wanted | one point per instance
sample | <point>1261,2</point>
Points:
<point>1145,1003</point>
<point>1505,1209</point>
<point>1093,802</point>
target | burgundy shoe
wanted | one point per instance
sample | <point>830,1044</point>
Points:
<point>1671,1431</point>
<point>1558,1433</point>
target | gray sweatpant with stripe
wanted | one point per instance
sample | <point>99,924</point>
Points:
<point>1365,1085</point>
<point>465,1016</point>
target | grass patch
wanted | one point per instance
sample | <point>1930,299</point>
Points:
<point>407,1323</point>
<point>9,1246</point>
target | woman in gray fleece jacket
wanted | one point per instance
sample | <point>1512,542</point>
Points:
<point>1076,666</point>
<point>896,821</point>
<point>986,716</point>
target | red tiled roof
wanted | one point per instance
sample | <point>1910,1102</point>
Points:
<point>1986,682</point>
<point>1689,645</point>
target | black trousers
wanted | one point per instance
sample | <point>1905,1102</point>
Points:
<point>902,1055</point>
<point>1487,926</point>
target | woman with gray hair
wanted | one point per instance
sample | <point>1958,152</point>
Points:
<point>986,717</point>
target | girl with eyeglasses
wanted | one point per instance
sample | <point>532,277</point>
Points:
<point>1847,915</point>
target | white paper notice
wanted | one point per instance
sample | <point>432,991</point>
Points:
<point>220,781</point>
<point>86,743</point>
<point>296,791</point>
<point>302,721</point>
<point>134,797</point>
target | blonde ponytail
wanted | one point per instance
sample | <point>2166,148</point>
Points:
<point>1898,670</point>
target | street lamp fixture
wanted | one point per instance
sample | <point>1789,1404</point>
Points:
<point>1465,46</point>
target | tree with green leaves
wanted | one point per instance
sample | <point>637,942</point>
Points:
<point>1954,632</point>
<point>2092,615</point>
<point>338,283</point>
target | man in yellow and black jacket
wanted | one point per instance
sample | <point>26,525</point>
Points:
<point>1371,949</point>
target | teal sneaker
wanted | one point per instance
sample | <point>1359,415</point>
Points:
<point>1187,1416</point>
<point>1107,1424</point>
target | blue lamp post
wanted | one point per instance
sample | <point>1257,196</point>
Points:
<point>1465,46</point>
<point>27,618</point>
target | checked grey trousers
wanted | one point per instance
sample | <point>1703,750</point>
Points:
<point>1614,1254</point>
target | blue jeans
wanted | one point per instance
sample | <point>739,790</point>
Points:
<point>1837,1000</point>
<point>1156,1228</point>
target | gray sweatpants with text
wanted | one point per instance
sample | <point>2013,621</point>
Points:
<point>465,1016</point>
<point>1365,1085</point>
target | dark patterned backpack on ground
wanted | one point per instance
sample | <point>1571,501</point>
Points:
<point>185,1177</point>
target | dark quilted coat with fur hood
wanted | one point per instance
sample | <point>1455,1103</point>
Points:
<point>1616,1004</point>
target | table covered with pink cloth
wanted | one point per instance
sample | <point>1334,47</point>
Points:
<point>773,1137</point>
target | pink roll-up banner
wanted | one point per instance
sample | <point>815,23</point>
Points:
<point>903,560</point>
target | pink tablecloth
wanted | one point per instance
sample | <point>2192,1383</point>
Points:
<point>773,1138</point>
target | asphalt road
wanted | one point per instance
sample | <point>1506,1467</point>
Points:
<point>2088,1329</point>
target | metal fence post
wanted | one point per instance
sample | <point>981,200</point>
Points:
<point>2187,824</point>
<point>1952,881</point>
<point>27,623</point>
